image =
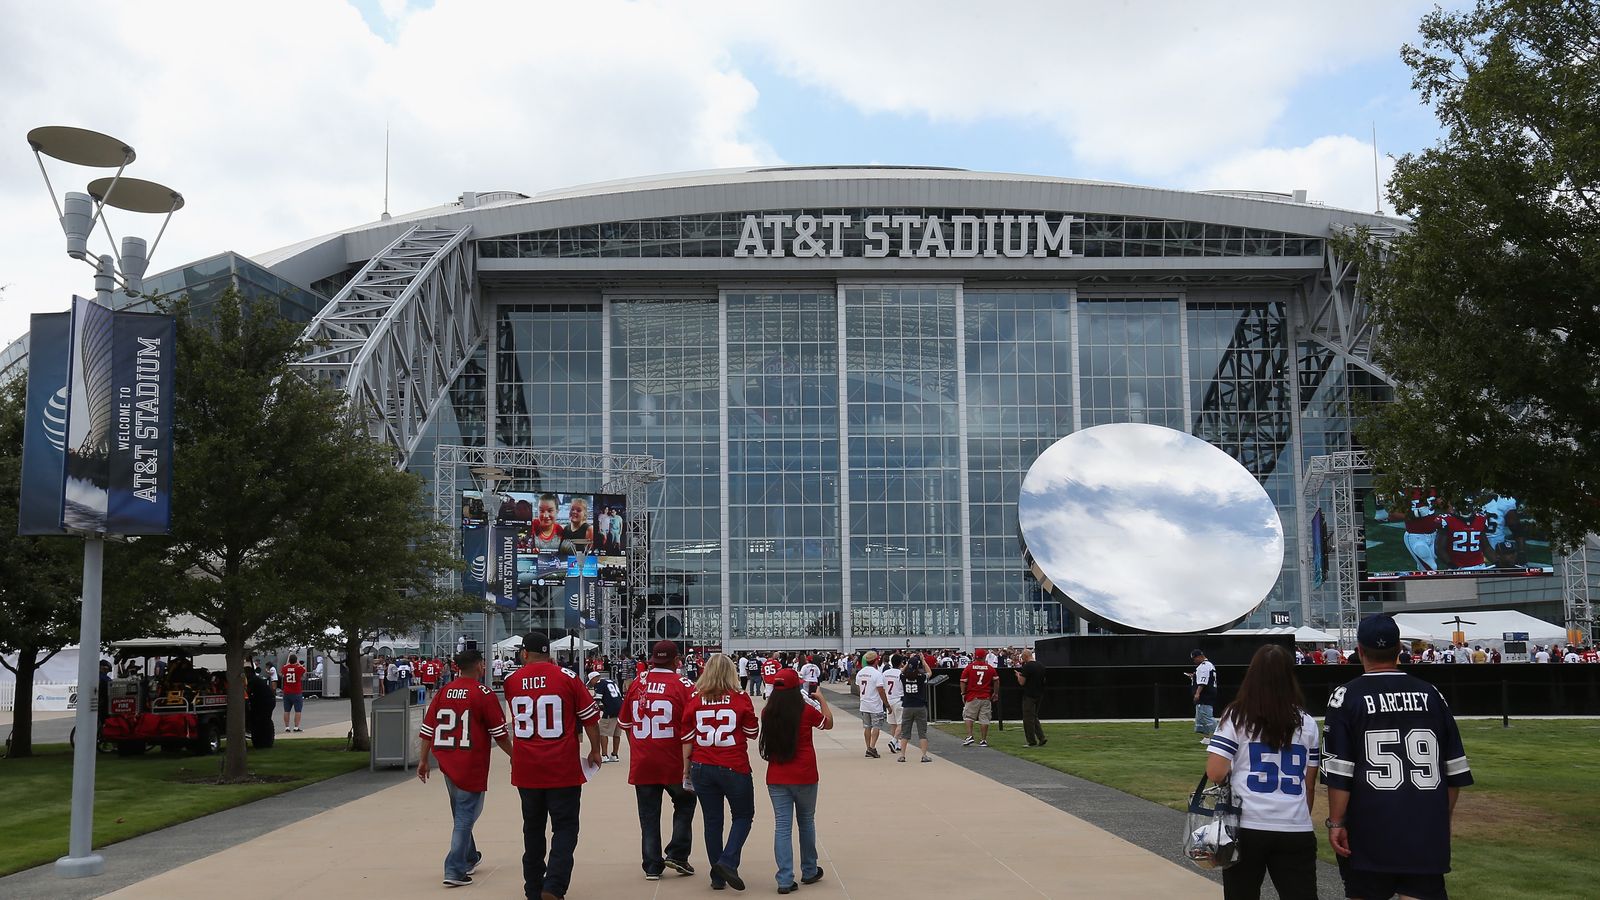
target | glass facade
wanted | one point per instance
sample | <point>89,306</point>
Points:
<point>717,235</point>
<point>843,462</point>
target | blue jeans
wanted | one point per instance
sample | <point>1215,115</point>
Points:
<point>1204,722</point>
<point>792,804</point>
<point>715,784</point>
<point>465,807</point>
<point>649,800</point>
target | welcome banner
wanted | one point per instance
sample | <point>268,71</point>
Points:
<point>44,434</point>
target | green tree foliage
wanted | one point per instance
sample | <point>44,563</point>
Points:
<point>1489,305</point>
<point>381,575</point>
<point>40,578</point>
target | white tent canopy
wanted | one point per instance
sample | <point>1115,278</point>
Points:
<point>1489,626</point>
<point>569,644</point>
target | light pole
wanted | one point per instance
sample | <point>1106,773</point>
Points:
<point>491,476</point>
<point>78,214</point>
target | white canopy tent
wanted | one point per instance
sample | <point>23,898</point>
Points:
<point>569,644</point>
<point>1489,626</point>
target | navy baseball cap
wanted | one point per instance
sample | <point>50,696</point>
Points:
<point>1196,654</point>
<point>1378,632</point>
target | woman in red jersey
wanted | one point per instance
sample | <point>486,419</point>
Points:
<point>786,725</point>
<point>718,722</point>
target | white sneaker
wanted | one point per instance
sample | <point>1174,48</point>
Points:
<point>968,742</point>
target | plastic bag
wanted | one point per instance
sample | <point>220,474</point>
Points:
<point>1211,833</point>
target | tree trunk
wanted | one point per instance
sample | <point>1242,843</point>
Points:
<point>361,737</point>
<point>22,716</point>
<point>235,763</point>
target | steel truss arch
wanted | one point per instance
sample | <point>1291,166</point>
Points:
<point>397,336</point>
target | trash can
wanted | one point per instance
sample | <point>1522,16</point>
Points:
<point>394,731</point>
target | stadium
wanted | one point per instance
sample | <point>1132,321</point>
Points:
<point>843,374</point>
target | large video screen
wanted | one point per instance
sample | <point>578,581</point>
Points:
<point>1419,534</point>
<point>559,535</point>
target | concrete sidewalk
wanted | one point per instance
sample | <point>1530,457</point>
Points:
<point>884,829</point>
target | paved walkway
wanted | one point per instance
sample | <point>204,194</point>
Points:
<point>883,829</point>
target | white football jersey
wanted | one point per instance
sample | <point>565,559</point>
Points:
<point>1495,511</point>
<point>1269,783</point>
<point>892,685</point>
<point>810,673</point>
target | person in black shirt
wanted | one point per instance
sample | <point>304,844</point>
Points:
<point>914,706</point>
<point>1394,767</point>
<point>1031,677</point>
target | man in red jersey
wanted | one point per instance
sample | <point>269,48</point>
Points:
<point>459,725</point>
<point>1422,529</point>
<point>294,691</point>
<point>1464,535</point>
<point>977,692</point>
<point>548,704</point>
<point>651,712</point>
<point>769,674</point>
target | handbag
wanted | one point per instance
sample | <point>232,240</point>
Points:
<point>1211,836</point>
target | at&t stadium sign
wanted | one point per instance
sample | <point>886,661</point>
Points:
<point>804,236</point>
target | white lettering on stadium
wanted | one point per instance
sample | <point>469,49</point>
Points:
<point>963,237</point>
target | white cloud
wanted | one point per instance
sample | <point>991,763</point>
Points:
<point>1155,87</point>
<point>270,119</point>
<point>1335,169</point>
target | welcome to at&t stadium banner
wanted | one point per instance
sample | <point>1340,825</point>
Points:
<point>100,421</point>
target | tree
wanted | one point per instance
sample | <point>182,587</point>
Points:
<point>255,448</point>
<point>1488,306</point>
<point>382,574</point>
<point>40,578</point>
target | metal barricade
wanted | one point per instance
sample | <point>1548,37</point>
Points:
<point>394,731</point>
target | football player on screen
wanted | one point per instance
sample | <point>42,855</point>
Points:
<point>1503,526</point>
<point>1422,529</point>
<point>1463,533</point>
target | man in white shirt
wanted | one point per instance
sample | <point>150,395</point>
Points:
<point>1543,656</point>
<point>894,692</point>
<point>1572,656</point>
<point>810,674</point>
<point>744,670</point>
<point>963,660</point>
<point>874,701</point>
<point>499,669</point>
<point>991,658</point>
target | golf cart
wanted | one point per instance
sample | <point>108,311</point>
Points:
<point>183,708</point>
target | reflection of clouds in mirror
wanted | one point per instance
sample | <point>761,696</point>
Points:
<point>1151,528</point>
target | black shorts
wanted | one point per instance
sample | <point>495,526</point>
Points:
<point>1363,885</point>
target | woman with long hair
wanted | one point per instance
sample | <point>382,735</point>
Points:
<point>786,725</point>
<point>718,721</point>
<point>1267,747</point>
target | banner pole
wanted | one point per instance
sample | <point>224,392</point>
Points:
<point>81,860</point>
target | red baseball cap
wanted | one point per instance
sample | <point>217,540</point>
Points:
<point>785,679</point>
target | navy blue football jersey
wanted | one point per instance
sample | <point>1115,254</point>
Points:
<point>1393,744</point>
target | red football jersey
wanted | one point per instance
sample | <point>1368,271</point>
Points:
<point>652,711</point>
<point>979,677</point>
<point>769,671</point>
<point>1422,517</point>
<point>1466,539</point>
<point>462,724</point>
<point>719,729</point>
<point>548,706</point>
<point>294,679</point>
<point>802,767</point>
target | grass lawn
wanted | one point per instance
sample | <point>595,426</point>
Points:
<point>134,795</point>
<point>1525,828</point>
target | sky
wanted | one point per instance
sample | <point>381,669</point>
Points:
<point>270,117</point>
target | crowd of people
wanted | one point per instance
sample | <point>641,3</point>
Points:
<point>689,742</point>
<point>1446,654</point>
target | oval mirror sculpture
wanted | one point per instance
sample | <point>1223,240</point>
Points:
<point>1143,528</point>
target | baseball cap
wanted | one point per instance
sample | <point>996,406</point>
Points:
<point>1196,654</point>
<point>785,679</point>
<point>664,653</point>
<point>1378,631</point>
<point>536,642</point>
<point>869,656</point>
